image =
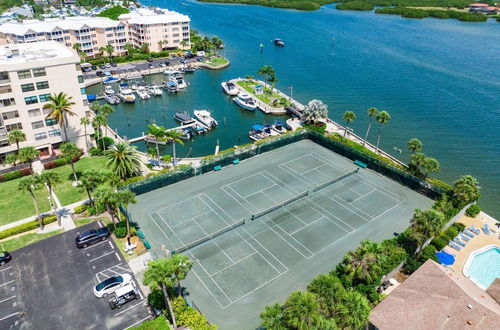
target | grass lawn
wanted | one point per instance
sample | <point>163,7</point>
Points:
<point>84,221</point>
<point>26,239</point>
<point>267,97</point>
<point>65,191</point>
<point>216,61</point>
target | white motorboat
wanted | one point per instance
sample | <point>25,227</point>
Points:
<point>112,99</point>
<point>170,72</point>
<point>126,94</point>
<point>205,118</point>
<point>257,133</point>
<point>109,90</point>
<point>134,87</point>
<point>156,91</point>
<point>178,79</point>
<point>229,88</point>
<point>142,93</point>
<point>278,127</point>
<point>245,101</point>
<point>268,129</point>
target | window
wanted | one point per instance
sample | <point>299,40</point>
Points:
<point>30,100</point>
<point>10,115</point>
<point>37,124</point>
<point>42,85</point>
<point>80,79</point>
<point>13,127</point>
<point>82,90</point>
<point>55,132</point>
<point>34,113</point>
<point>4,75</point>
<point>5,89</point>
<point>50,121</point>
<point>46,111</point>
<point>40,136</point>
<point>24,74</point>
<point>40,72</point>
<point>7,102</point>
<point>44,97</point>
<point>28,87</point>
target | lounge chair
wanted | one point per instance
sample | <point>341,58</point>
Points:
<point>463,237</point>
<point>468,233</point>
<point>453,245</point>
<point>459,242</point>
<point>486,230</point>
<point>475,230</point>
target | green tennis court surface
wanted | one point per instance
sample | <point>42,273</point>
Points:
<point>309,207</point>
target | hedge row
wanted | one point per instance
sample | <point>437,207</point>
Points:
<point>449,234</point>
<point>15,174</point>
<point>59,162</point>
<point>26,227</point>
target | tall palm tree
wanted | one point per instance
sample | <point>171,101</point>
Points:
<point>158,275</point>
<point>98,121</point>
<point>414,145</point>
<point>431,165</point>
<point>314,110</point>
<point>180,265</point>
<point>30,184</point>
<point>349,117</point>
<point>217,43</point>
<point>174,136</point>
<point>16,136</point>
<point>110,50</point>
<point>85,121</point>
<point>372,113</point>
<point>183,44</point>
<point>106,110</point>
<point>417,161</point>
<point>364,264</point>
<point>329,290</point>
<point>353,311</point>
<point>90,179</point>
<point>466,190</point>
<point>28,155</point>
<point>60,106</point>
<point>145,48</point>
<point>50,179</point>
<point>301,310</point>
<point>105,195</point>
<point>77,46</point>
<point>383,118</point>
<point>426,223</point>
<point>272,317</point>
<point>123,160</point>
<point>129,48</point>
<point>158,133</point>
<point>11,158</point>
<point>82,55</point>
<point>71,151</point>
<point>124,198</point>
<point>266,71</point>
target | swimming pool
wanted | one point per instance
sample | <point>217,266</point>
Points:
<point>483,266</point>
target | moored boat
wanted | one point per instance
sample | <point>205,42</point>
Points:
<point>110,80</point>
<point>183,118</point>
<point>279,42</point>
<point>126,94</point>
<point>245,101</point>
<point>268,129</point>
<point>257,133</point>
<point>171,87</point>
<point>178,79</point>
<point>278,127</point>
<point>229,88</point>
<point>112,99</point>
<point>108,90</point>
<point>204,117</point>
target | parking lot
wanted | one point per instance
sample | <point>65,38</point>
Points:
<point>49,285</point>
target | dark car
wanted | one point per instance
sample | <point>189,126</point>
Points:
<point>113,65</point>
<point>167,63</point>
<point>150,59</point>
<point>5,257</point>
<point>99,73</point>
<point>92,236</point>
<point>190,55</point>
<point>93,67</point>
<point>183,61</point>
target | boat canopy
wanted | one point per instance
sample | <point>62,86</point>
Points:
<point>257,127</point>
<point>91,97</point>
<point>171,83</point>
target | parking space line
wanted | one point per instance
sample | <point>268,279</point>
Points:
<point>94,245</point>
<point>138,322</point>
<point>123,311</point>
<point>117,256</point>
<point>6,317</point>
<point>100,224</point>
<point>1,301</point>
<point>111,245</point>
<point>106,254</point>
<point>6,269</point>
<point>6,283</point>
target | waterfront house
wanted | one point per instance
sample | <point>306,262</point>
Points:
<point>482,8</point>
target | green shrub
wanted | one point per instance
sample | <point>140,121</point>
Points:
<point>108,142</point>
<point>429,252</point>
<point>440,183</point>
<point>460,226</point>
<point>446,237</point>
<point>120,232</point>
<point>451,232</point>
<point>131,180</point>
<point>355,5</point>
<point>95,210</point>
<point>439,243</point>
<point>156,300</point>
<point>320,127</point>
<point>411,265</point>
<point>473,210</point>
<point>80,209</point>
<point>11,175</point>
<point>158,323</point>
<point>408,241</point>
<point>190,317</point>
<point>94,151</point>
<point>26,227</point>
<point>113,12</point>
<point>121,229</point>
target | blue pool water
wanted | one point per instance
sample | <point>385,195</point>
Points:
<point>484,267</point>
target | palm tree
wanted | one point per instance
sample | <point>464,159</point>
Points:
<point>180,265</point>
<point>82,55</point>
<point>98,121</point>
<point>110,50</point>
<point>426,224</point>
<point>102,50</point>
<point>12,159</point>
<point>273,80</point>
<point>266,71</point>
<point>174,136</point>
<point>301,310</point>
<point>129,48</point>
<point>60,106</point>
<point>466,190</point>
<point>70,150</point>
<point>105,195</point>
<point>372,112</point>
<point>349,117</point>
<point>314,110</point>
<point>417,160</point>
<point>90,179</point>
<point>354,310</point>
<point>217,43</point>
<point>123,160</point>
<point>30,184</point>
<point>50,179</point>
<point>183,44</point>
<point>85,121</point>
<point>272,317</point>
<point>158,133</point>
<point>16,136</point>
<point>415,145</point>
<point>77,46</point>
<point>364,264</point>
<point>158,275</point>
<point>431,165</point>
<point>124,198</point>
<point>28,155</point>
<point>383,118</point>
<point>95,106</point>
<point>145,48</point>
<point>106,110</point>
<point>329,290</point>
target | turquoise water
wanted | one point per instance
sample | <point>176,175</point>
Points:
<point>485,267</point>
<point>439,79</point>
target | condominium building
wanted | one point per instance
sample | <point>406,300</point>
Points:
<point>159,28</point>
<point>29,74</point>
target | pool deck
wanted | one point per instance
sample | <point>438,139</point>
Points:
<point>475,243</point>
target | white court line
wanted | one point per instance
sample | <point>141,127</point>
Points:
<point>255,192</point>
<point>352,228</point>
<point>213,240</point>
<point>385,191</point>
<point>359,196</point>
<point>7,283</point>
<point>314,169</point>
<point>138,322</point>
<point>166,223</point>
<point>123,311</point>
<point>290,234</point>
<point>105,254</point>
<point>203,283</point>
<point>350,207</point>
<point>217,284</point>
<point>168,239</point>
<point>220,270</point>
<point>3,270</point>
<point>381,214</point>
<point>1,301</point>
<point>287,242</point>
<point>249,176</point>
<point>172,205</point>
<point>6,317</point>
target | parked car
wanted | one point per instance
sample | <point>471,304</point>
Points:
<point>86,69</point>
<point>183,61</point>
<point>200,59</point>
<point>167,63</point>
<point>150,59</point>
<point>124,295</point>
<point>162,64</point>
<point>107,73</point>
<point>93,67</point>
<point>111,284</point>
<point>113,65</point>
<point>108,66</point>
<point>102,66</point>
<point>92,236</point>
<point>5,257</point>
<point>151,66</point>
<point>99,73</point>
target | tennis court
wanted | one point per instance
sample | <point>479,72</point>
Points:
<point>265,227</point>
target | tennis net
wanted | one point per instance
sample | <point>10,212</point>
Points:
<point>337,179</point>
<point>280,205</point>
<point>210,237</point>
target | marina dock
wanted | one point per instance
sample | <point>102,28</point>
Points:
<point>178,128</point>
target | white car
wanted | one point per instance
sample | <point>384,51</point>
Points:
<point>111,284</point>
